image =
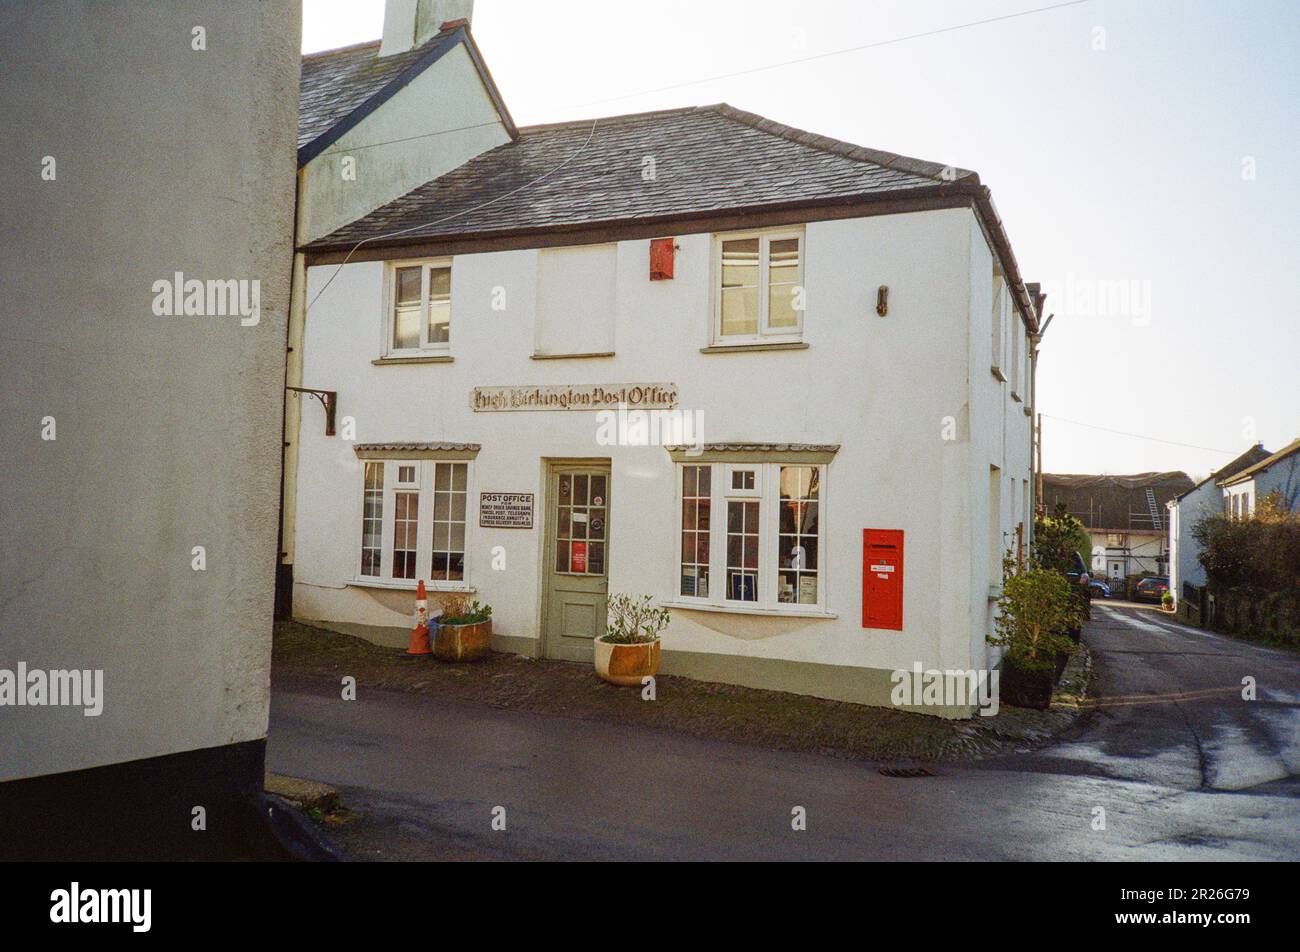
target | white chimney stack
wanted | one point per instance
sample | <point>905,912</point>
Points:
<point>409,23</point>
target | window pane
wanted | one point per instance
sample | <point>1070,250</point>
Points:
<point>406,328</point>
<point>740,263</point>
<point>783,280</point>
<point>797,557</point>
<point>458,476</point>
<point>439,322</point>
<point>562,556</point>
<point>739,311</point>
<point>442,476</point>
<point>695,536</point>
<point>408,286</point>
<point>372,519</point>
<point>596,558</point>
<point>440,284</point>
<point>580,489</point>
<point>405,520</point>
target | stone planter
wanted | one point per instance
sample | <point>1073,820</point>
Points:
<point>1021,688</point>
<point>626,664</point>
<point>462,642</point>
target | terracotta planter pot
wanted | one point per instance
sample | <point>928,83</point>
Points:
<point>462,642</point>
<point>1021,688</point>
<point>626,664</point>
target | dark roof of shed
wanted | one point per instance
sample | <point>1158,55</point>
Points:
<point>707,159</point>
<point>1113,502</point>
<point>338,88</point>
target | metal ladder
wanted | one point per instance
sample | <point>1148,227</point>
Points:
<point>1155,510</point>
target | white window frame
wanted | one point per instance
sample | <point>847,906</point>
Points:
<point>766,334</point>
<point>427,347</point>
<point>423,484</point>
<point>768,498</point>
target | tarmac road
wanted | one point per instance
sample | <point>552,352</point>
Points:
<point>1181,765</point>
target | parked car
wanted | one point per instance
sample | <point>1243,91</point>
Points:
<point>1079,576</point>
<point>1150,589</point>
<point>1099,588</point>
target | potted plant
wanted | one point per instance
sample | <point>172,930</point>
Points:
<point>1035,611</point>
<point>464,630</point>
<point>629,649</point>
<point>1167,601</point>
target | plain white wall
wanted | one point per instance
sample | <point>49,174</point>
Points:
<point>880,387</point>
<point>168,428</point>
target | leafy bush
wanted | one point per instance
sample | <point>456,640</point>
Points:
<point>633,620</point>
<point>1260,554</point>
<point>1058,537</point>
<point>1035,610</point>
<point>457,609</point>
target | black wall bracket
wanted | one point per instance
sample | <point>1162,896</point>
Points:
<point>328,399</point>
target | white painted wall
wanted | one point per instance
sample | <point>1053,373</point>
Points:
<point>880,387</point>
<point>167,428</point>
<point>440,120</point>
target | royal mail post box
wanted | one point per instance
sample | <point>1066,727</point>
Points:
<point>882,579</point>
<point>662,252</point>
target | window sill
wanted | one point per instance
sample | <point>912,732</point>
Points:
<point>422,359</point>
<point>759,345</point>
<point>997,372</point>
<point>606,353</point>
<point>1016,397</point>
<point>409,585</point>
<point>782,611</point>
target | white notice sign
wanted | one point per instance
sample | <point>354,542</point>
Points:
<point>505,510</point>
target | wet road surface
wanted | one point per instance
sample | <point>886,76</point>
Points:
<point>1181,765</point>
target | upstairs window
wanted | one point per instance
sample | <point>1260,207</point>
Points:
<point>759,294</point>
<point>419,312</point>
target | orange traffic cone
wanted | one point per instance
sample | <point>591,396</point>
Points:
<point>420,633</point>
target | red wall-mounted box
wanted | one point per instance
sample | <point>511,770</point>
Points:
<point>662,252</point>
<point>882,579</point>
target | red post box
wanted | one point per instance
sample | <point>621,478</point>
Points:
<point>882,579</point>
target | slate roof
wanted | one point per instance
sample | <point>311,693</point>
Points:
<point>707,159</point>
<point>1248,458</point>
<point>338,88</point>
<point>1250,471</point>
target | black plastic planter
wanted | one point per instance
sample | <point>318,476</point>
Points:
<point>1021,688</point>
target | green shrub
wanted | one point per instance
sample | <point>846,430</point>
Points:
<point>633,620</point>
<point>1035,610</point>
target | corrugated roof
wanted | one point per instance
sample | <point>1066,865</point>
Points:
<point>706,159</point>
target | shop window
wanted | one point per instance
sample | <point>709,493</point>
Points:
<point>414,522</point>
<point>768,554</point>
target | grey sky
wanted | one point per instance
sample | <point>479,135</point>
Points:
<point>1118,138</point>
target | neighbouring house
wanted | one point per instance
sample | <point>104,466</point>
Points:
<point>1124,516</point>
<point>780,382</point>
<point>1188,508</point>
<point>1278,473</point>
<point>139,489</point>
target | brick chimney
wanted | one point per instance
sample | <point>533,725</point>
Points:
<point>409,23</point>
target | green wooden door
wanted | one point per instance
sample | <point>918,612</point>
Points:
<point>577,558</point>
